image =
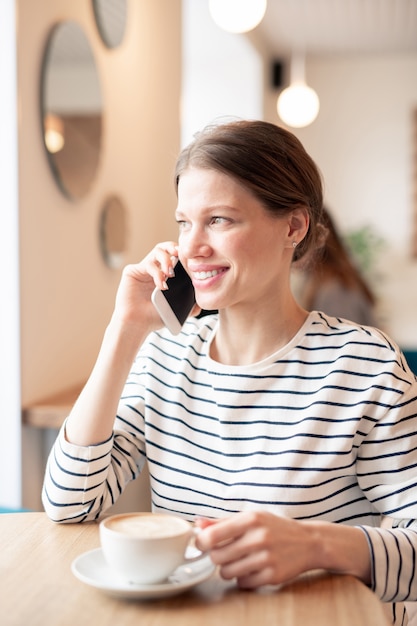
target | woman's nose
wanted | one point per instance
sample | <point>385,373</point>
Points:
<point>194,243</point>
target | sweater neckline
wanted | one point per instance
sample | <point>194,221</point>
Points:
<point>271,358</point>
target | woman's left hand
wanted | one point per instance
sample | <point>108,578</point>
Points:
<point>259,548</point>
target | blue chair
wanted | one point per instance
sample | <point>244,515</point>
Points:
<point>411,357</point>
<point>6,509</point>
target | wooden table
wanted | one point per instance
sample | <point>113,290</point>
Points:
<point>52,411</point>
<point>38,588</point>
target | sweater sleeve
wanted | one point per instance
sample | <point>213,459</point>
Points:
<point>393,562</point>
<point>82,482</point>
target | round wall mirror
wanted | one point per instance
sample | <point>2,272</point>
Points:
<point>113,232</point>
<point>111,20</point>
<point>72,109</point>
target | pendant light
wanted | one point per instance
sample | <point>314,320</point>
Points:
<point>298,105</point>
<point>237,16</point>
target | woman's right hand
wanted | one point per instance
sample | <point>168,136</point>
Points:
<point>133,300</point>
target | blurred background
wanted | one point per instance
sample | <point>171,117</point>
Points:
<point>97,99</point>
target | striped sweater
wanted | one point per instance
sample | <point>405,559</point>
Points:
<point>325,428</point>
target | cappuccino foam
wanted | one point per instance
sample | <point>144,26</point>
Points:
<point>147,526</point>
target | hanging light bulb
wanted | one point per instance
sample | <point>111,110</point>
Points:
<point>237,16</point>
<point>298,105</point>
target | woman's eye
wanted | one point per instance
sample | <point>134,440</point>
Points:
<point>217,219</point>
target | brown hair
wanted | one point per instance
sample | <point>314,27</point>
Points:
<point>268,160</point>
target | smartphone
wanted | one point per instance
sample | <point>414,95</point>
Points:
<point>175,304</point>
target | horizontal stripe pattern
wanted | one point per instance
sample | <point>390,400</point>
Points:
<point>325,428</point>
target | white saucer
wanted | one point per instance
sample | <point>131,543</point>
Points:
<point>92,569</point>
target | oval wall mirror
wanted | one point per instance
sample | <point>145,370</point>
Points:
<point>113,232</point>
<point>111,17</point>
<point>72,109</point>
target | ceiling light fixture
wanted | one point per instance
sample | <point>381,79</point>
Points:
<point>298,105</point>
<point>237,16</point>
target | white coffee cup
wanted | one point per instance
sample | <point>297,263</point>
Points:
<point>145,548</point>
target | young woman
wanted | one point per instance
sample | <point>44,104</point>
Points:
<point>288,435</point>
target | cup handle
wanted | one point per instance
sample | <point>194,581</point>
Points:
<point>200,555</point>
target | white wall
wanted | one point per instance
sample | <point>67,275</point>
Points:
<point>10,427</point>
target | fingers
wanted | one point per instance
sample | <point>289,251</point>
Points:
<point>244,546</point>
<point>251,571</point>
<point>224,531</point>
<point>133,303</point>
<point>161,262</point>
<point>234,551</point>
<point>203,522</point>
<point>256,579</point>
<point>208,538</point>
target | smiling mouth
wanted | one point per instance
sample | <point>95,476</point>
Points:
<point>208,274</point>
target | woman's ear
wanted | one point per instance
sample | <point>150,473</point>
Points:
<point>298,223</point>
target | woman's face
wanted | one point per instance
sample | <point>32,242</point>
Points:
<point>234,250</point>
